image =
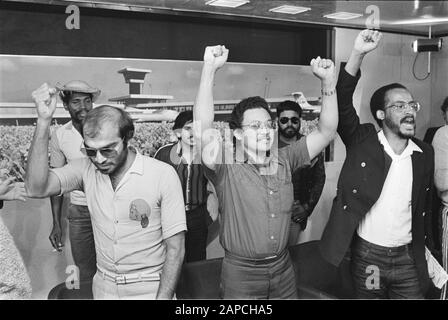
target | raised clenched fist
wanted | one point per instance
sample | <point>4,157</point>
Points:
<point>45,98</point>
<point>216,56</point>
<point>323,69</point>
<point>367,40</point>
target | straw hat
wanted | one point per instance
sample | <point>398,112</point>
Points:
<point>78,86</point>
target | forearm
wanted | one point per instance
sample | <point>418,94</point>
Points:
<point>328,120</point>
<point>354,62</point>
<point>56,209</point>
<point>37,164</point>
<point>171,271</point>
<point>204,107</point>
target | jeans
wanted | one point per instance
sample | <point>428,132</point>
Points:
<point>241,279</point>
<point>384,273</point>
<point>196,237</point>
<point>82,242</point>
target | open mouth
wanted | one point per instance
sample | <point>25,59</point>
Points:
<point>408,122</point>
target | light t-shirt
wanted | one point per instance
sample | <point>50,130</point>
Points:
<point>124,243</point>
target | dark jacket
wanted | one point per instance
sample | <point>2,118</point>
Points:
<point>361,182</point>
<point>308,183</point>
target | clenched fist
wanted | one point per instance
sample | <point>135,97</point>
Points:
<point>45,98</point>
<point>323,69</point>
<point>367,40</point>
<point>216,56</point>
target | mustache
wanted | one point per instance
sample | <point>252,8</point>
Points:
<point>405,119</point>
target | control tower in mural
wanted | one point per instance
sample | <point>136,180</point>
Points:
<point>141,106</point>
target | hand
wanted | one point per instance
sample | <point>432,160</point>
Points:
<point>45,100</point>
<point>299,213</point>
<point>55,237</point>
<point>323,69</point>
<point>366,41</point>
<point>10,190</point>
<point>216,56</point>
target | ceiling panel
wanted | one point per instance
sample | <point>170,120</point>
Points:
<point>413,17</point>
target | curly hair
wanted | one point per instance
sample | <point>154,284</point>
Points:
<point>237,115</point>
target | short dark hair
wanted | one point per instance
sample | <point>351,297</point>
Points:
<point>97,117</point>
<point>67,95</point>
<point>182,119</point>
<point>444,106</point>
<point>237,115</point>
<point>378,100</point>
<point>289,105</point>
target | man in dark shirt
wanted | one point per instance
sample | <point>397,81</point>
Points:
<point>308,181</point>
<point>187,163</point>
<point>252,178</point>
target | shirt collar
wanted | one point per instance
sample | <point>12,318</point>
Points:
<point>137,165</point>
<point>409,150</point>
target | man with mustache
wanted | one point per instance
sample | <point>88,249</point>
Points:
<point>382,208</point>
<point>252,178</point>
<point>136,205</point>
<point>308,181</point>
<point>66,145</point>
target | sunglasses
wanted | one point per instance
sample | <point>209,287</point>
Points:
<point>285,120</point>
<point>109,152</point>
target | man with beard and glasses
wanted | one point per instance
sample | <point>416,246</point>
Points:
<point>382,208</point>
<point>136,203</point>
<point>308,181</point>
<point>66,145</point>
<point>252,178</point>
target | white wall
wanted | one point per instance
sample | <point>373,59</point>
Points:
<point>439,83</point>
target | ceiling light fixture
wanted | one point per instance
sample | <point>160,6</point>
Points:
<point>227,3</point>
<point>343,15</point>
<point>289,9</point>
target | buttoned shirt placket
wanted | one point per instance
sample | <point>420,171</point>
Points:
<point>115,215</point>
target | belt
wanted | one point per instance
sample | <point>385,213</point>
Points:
<point>263,260</point>
<point>129,278</point>
<point>405,247</point>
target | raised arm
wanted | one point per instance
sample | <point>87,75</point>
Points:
<point>203,110</point>
<point>328,121</point>
<point>39,182</point>
<point>366,41</point>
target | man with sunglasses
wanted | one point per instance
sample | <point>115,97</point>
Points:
<point>382,208</point>
<point>308,181</point>
<point>252,178</point>
<point>66,145</point>
<point>136,203</point>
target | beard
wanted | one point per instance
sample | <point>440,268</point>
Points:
<point>396,128</point>
<point>288,132</point>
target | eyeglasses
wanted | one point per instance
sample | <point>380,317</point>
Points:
<point>402,106</point>
<point>105,152</point>
<point>285,120</point>
<point>255,125</point>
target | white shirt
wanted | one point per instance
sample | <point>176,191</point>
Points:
<point>389,222</point>
<point>66,145</point>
